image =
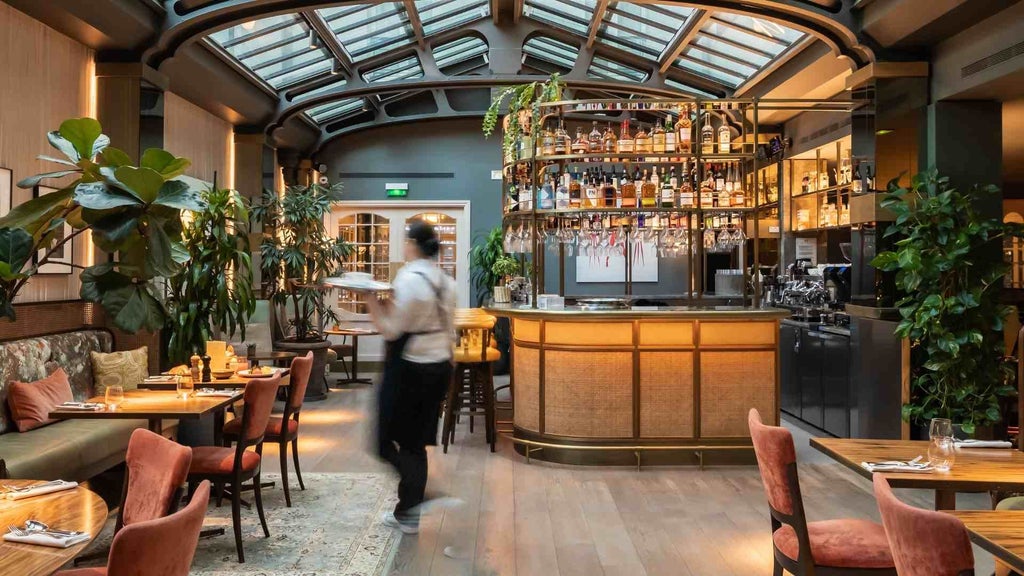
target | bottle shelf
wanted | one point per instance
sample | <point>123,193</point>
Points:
<point>823,229</point>
<point>630,211</point>
<point>641,158</point>
<point>835,188</point>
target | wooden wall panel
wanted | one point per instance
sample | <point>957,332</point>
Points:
<point>192,132</point>
<point>731,383</point>
<point>666,394</point>
<point>527,388</point>
<point>45,78</point>
<point>587,395</point>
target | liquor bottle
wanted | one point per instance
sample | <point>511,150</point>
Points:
<point>547,142</point>
<point>590,192</point>
<point>668,189</point>
<point>728,178</point>
<point>857,186</point>
<point>724,194</point>
<point>707,189</point>
<point>574,190</point>
<point>707,136</point>
<point>724,138</point>
<point>611,143</point>
<point>739,197</point>
<point>626,143</point>
<point>685,125</point>
<point>649,192</point>
<point>594,140</point>
<point>608,191</point>
<point>526,197</point>
<point>628,190</point>
<point>580,145</point>
<point>562,141</point>
<point>547,194</point>
<point>670,137</point>
<point>643,141</point>
<point>686,199</point>
<point>525,146</point>
<point>658,138</point>
<point>562,192</point>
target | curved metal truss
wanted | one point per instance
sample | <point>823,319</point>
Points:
<point>339,65</point>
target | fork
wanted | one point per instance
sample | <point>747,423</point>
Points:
<point>22,533</point>
<point>12,488</point>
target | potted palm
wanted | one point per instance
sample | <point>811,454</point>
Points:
<point>211,297</point>
<point>133,212</point>
<point>950,311</point>
<point>296,254</point>
<point>504,269</point>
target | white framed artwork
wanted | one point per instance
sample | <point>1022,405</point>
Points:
<point>594,268</point>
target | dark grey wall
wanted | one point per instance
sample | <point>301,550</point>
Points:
<point>452,159</point>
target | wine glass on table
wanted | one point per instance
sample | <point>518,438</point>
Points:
<point>114,397</point>
<point>941,450</point>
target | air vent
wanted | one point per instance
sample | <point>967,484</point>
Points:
<point>993,59</point>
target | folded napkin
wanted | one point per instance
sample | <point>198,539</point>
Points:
<point>83,406</point>
<point>971,443</point>
<point>48,539</point>
<point>211,392</point>
<point>47,488</point>
<point>160,379</point>
<point>896,466</point>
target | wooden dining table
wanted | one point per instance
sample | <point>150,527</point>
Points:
<point>217,383</point>
<point>76,509</point>
<point>974,470</point>
<point>998,532</point>
<point>157,406</point>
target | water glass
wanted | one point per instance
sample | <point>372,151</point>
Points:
<point>114,396</point>
<point>940,428</point>
<point>184,386</point>
<point>942,453</point>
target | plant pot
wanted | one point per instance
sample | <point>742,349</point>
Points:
<point>317,388</point>
<point>502,295</point>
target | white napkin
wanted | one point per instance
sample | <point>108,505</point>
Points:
<point>51,540</point>
<point>972,443</point>
<point>83,406</point>
<point>895,466</point>
<point>160,379</point>
<point>219,393</point>
<point>47,489</point>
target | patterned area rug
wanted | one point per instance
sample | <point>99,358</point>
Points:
<point>332,529</point>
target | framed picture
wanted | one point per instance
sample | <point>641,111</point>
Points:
<point>6,191</point>
<point>61,260</point>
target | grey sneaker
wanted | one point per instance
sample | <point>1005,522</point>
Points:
<point>388,518</point>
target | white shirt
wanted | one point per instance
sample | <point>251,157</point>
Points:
<point>417,308</point>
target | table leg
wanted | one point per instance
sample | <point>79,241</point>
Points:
<point>218,427</point>
<point>355,379</point>
<point>156,425</point>
<point>945,500</point>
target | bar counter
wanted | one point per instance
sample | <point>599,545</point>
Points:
<point>662,384</point>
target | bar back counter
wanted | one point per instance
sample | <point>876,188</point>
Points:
<point>652,385</point>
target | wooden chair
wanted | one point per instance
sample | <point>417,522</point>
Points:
<point>284,428</point>
<point>164,545</point>
<point>155,471</point>
<point>471,390</point>
<point>923,542</point>
<point>846,547</point>
<point>231,467</point>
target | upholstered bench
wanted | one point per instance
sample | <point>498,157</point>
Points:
<point>72,449</point>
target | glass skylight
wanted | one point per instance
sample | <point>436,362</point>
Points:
<point>367,30</point>
<point>607,69</point>
<point>276,49</point>
<point>551,50</point>
<point>730,48</point>
<point>404,69</point>
<point>573,15</point>
<point>644,30</point>
<point>683,87</point>
<point>440,15</point>
<point>335,110</point>
<point>458,51</point>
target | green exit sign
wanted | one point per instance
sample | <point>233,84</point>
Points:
<point>397,189</point>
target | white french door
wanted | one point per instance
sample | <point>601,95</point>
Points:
<point>376,230</point>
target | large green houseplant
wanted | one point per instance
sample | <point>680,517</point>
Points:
<point>487,249</point>
<point>524,102</point>
<point>133,212</point>
<point>212,297</point>
<point>949,275</point>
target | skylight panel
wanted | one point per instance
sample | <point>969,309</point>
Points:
<point>758,59</point>
<point>335,110</point>
<point>646,30</point>
<point>607,69</point>
<point>553,51</point>
<point>573,15</point>
<point>457,51</point>
<point>440,15</point>
<point>683,87</point>
<point>725,77</point>
<point>404,69</point>
<point>368,30</point>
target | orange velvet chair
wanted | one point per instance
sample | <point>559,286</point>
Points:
<point>163,546</point>
<point>232,467</point>
<point>847,547</point>
<point>284,428</point>
<point>155,471</point>
<point>923,542</point>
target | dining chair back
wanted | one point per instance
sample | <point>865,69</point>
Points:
<point>302,367</point>
<point>164,546</point>
<point>923,542</point>
<point>776,460</point>
<point>259,403</point>
<point>155,471</point>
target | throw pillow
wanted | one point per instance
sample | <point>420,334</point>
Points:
<point>31,402</point>
<point>127,369</point>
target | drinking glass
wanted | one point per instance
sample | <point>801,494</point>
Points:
<point>940,428</point>
<point>942,453</point>
<point>114,396</point>
<point>184,386</point>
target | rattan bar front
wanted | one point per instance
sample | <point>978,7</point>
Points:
<point>604,386</point>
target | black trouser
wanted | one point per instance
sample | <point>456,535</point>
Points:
<point>411,464</point>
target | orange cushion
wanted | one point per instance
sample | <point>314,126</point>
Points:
<point>218,460</point>
<point>234,428</point>
<point>31,402</point>
<point>845,543</point>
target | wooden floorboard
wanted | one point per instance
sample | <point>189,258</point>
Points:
<point>544,519</point>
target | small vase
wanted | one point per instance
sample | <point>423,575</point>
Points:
<point>502,295</point>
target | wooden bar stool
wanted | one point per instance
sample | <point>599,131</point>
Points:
<point>471,390</point>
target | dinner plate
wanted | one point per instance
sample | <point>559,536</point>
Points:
<point>248,374</point>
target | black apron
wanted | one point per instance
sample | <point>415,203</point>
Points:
<point>410,395</point>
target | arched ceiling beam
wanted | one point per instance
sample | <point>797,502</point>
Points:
<point>415,22</point>
<point>682,39</point>
<point>595,22</point>
<point>837,26</point>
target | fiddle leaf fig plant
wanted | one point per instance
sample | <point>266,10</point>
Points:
<point>949,275</point>
<point>522,99</point>
<point>132,212</point>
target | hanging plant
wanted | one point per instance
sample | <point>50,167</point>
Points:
<point>950,276</point>
<point>524,102</point>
